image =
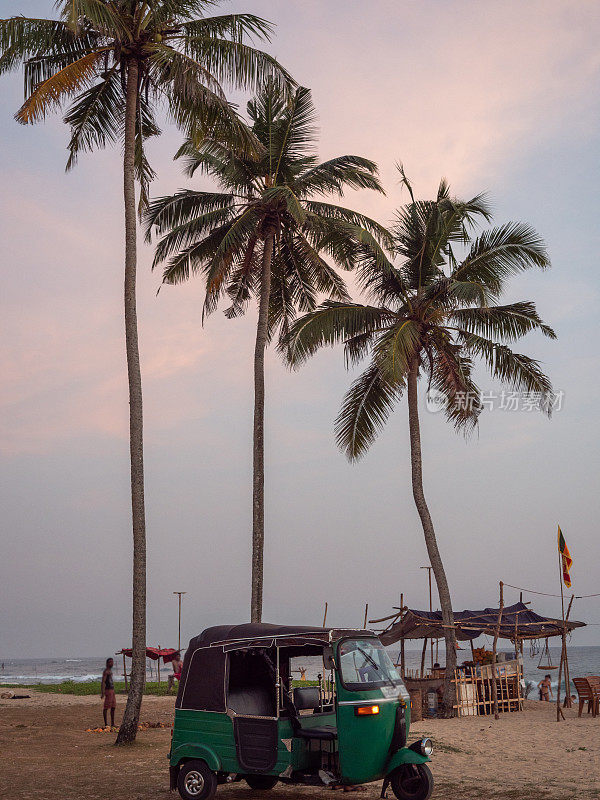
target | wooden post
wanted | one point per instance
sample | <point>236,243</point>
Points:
<point>325,614</point>
<point>423,657</point>
<point>402,659</point>
<point>559,711</point>
<point>366,615</point>
<point>472,651</point>
<point>125,673</point>
<point>563,653</point>
<point>158,667</point>
<point>567,671</point>
<point>496,635</point>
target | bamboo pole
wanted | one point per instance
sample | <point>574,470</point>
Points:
<point>402,659</point>
<point>325,614</point>
<point>563,650</point>
<point>494,650</point>
<point>567,671</point>
<point>366,615</point>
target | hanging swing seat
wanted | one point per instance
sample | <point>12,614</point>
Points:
<point>546,656</point>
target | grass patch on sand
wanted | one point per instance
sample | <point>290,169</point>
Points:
<point>83,688</point>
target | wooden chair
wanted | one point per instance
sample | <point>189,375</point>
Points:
<point>588,690</point>
<point>594,681</point>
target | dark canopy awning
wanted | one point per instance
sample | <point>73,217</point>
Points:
<point>517,621</point>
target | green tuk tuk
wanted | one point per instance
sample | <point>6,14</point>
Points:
<point>239,717</point>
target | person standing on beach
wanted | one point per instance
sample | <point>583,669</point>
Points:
<point>107,693</point>
<point>177,665</point>
<point>545,688</point>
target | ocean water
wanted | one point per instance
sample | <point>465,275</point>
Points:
<point>582,661</point>
<point>56,670</point>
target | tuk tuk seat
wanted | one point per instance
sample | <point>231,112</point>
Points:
<point>325,733</point>
<point>308,697</point>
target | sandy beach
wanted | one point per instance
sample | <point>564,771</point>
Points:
<point>47,753</point>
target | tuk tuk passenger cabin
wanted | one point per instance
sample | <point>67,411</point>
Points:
<point>239,717</point>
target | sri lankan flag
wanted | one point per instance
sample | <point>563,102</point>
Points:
<point>565,558</point>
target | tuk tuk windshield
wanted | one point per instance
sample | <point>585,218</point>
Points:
<point>365,664</point>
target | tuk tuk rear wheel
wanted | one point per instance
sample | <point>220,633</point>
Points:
<point>196,781</point>
<point>261,783</point>
<point>412,782</point>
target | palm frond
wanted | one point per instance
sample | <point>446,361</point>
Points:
<point>450,373</point>
<point>235,26</point>
<point>237,64</point>
<point>509,322</point>
<point>500,253</point>
<point>187,233</point>
<point>232,170</point>
<point>302,259</point>
<point>25,38</point>
<point>195,257</point>
<point>365,410</point>
<point>234,241</point>
<point>331,323</point>
<point>358,220</point>
<point>96,117</point>
<point>242,281</point>
<point>294,134</point>
<point>397,347</point>
<point>518,371</point>
<point>63,84</point>
<point>167,213</point>
<point>337,174</point>
<point>104,16</point>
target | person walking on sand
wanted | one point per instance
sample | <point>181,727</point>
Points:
<point>545,688</point>
<point>107,693</point>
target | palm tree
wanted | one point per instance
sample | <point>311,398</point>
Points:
<point>118,60</point>
<point>264,236</point>
<point>431,316</point>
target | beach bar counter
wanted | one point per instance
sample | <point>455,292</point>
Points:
<point>474,680</point>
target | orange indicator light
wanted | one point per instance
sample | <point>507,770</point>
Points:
<point>366,711</point>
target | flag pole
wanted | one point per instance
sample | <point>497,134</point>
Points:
<point>560,576</point>
<point>563,637</point>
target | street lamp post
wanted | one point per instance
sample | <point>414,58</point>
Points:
<point>179,595</point>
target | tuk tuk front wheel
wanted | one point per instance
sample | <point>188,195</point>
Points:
<point>412,782</point>
<point>196,781</point>
<point>261,783</point>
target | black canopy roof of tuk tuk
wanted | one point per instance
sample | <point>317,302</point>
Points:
<point>517,621</point>
<point>203,683</point>
<point>266,634</point>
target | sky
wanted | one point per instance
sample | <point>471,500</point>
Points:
<point>502,97</point>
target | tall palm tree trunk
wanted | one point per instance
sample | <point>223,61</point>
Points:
<point>258,479</point>
<point>430,539</point>
<point>128,729</point>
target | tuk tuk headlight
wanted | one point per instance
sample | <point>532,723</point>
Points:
<point>426,747</point>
